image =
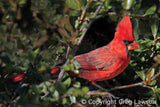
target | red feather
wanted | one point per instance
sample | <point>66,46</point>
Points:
<point>16,78</point>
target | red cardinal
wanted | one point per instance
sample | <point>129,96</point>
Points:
<point>110,60</point>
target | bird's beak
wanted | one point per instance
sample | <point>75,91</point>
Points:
<point>133,46</point>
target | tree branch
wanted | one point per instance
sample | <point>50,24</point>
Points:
<point>97,93</point>
<point>127,86</point>
<point>136,84</point>
<point>62,72</point>
<point>132,15</point>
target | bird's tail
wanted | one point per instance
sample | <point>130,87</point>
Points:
<point>16,78</point>
<point>20,77</point>
<point>55,71</point>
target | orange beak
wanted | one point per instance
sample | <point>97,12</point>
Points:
<point>133,46</point>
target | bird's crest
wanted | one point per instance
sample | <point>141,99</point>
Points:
<point>124,30</point>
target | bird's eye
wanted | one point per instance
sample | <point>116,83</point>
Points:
<point>127,42</point>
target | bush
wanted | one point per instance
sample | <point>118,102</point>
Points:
<point>38,35</point>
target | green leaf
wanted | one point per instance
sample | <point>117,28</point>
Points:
<point>61,49</point>
<point>64,101</point>
<point>37,51</point>
<point>8,16</point>
<point>154,28</point>
<point>147,43</point>
<point>142,58</point>
<point>74,13</point>
<point>127,4</point>
<point>22,2</point>
<point>76,23</point>
<point>61,87</point>
<point>72,99</point>
<point>77,85</point>
<point>76,64</point>
<point>71,67</point>
<point>151,10</point>
<point>73,4</point>
<point>56,95</point>
<point>47,83</point>
<point>152,82</point>
<point>136,29</point>
<point>137,8</point>
<point>150,73</point>
<point>85,89</point>
<point>75,91</point>
<point>106,3</point>
<point>42,68</point>
<point>157,92</point>
<point>157,59</point>
<point>67,82</point>
<point>66,67</point>
<point>52,89</point>
<point>70,90</point>
<point>141,75</point>
<point>76,71</point>
<point>26,64</point>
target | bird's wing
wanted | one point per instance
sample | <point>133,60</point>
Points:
<point>99,59</point>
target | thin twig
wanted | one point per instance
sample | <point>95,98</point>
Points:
<point>153,49</point>
<point>84,14</point>
<point>68,50</point>
<point>66,63</point>
<point>62,72</point>
<point>84,33</point>
<point>153,46</point>
<point>156,39</point>
<point>127,86</point>
<point>89,93</point>
<point>152,88</point>
<point>155,76</point>
<point>90,22</point>
<point>136,16</point>
<point>97,93</point>
<point>98,9</point>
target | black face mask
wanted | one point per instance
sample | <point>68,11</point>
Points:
<point>129,52</point>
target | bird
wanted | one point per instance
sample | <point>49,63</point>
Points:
<point>107,61</point>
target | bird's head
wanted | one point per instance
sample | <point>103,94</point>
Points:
<point>124,34</point>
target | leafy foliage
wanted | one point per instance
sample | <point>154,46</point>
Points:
<point>35,36</point>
